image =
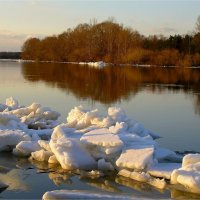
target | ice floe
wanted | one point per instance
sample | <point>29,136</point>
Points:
<point>77,194</point>
<point>189,174</point>
<point>25,148</point>
<point>163,170</point>
<point>99,64</point>
<point>71,154</point>
<point>10,138</point>
<point>32,117</point>
<point>136,158</point>
<point>91,141</point>
<point>101,143</point>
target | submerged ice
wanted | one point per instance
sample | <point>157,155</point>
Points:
<point>91,141</point>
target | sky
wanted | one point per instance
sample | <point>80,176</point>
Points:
<point>22,19</point>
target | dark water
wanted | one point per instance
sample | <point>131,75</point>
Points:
<point>167,101</point>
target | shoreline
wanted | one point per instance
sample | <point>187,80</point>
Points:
<point>99,64</point>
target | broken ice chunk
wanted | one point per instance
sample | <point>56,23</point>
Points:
<point>25,148</point>
<point>136,158</point>
<point>189,174</point>
<point>143,177</point>
<point>41,155</point>
<point>71,155</point>
<point>163,170</point>
<point>44,144</point>
<point>101,137</point>
<point>12,103</point>
<point>101,143</point>
<point>10,138</point>
<point>190,159</point>
<point>75,194</point>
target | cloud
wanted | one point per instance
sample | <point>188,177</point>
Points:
<point>165,30</point>
<point>11,41</point>
<point>168,30</point>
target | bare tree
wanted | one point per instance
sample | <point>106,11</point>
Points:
<point>198,24</point>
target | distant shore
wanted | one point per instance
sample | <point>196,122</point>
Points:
<point>98,64</point>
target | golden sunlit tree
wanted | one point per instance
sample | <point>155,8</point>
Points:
<point>113,43</point>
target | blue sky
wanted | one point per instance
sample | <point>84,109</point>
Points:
<point>21,19</point>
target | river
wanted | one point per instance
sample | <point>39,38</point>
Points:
<point>165,100</point>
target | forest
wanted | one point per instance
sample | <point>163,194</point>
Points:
<point>114,43</point>
<point>10,55</point>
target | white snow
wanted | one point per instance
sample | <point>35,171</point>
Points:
<point>9,121</point>
<point>138,158</point>
<point>99,64</point>
<point>10,138</point>
<point>25,148</point>
<point>41,155</point>
<point>162,154</point>
<point>163,170</point>
<point>77,194</point>
<point>44,144</point>
<point>91,141</point>
<point>12,103</point>
<point>101,137</point>
<point>189,174</point>
<point>101,143</point>
<point>53,160</point>
<point>34,116</point>
<point>71,155</point>
<point>118,128</point>
<point>190,159</point>
<point>143,177</point>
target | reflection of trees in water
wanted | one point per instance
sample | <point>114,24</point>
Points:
<point>106,85</point>
<point>197,104</point>
<point>113,84</point>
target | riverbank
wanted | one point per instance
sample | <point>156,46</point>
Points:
<point>98,64</point>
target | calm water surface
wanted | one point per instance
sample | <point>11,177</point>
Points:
<point>167,101</point>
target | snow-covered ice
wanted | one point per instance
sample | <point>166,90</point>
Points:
<point>163,170</point>
<point>190,159</point>
<point>136,158</point>
<point>99,64</point>
<point>189,174</point>
<point>71,154</point>
<point>92,141</point>
<point>10,138</point>
<point>78,194</point>
<point>41,155</point>
<point>25,148</point>
<point>143,177</point>
<point>101,143</point>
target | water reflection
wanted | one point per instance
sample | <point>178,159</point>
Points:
<point>105,184</point>
<point>114,84</point>
<point>11,175</point>
<point>24,177</point>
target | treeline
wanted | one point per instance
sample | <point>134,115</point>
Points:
<point>10,55</point>
<point>114,43</point>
